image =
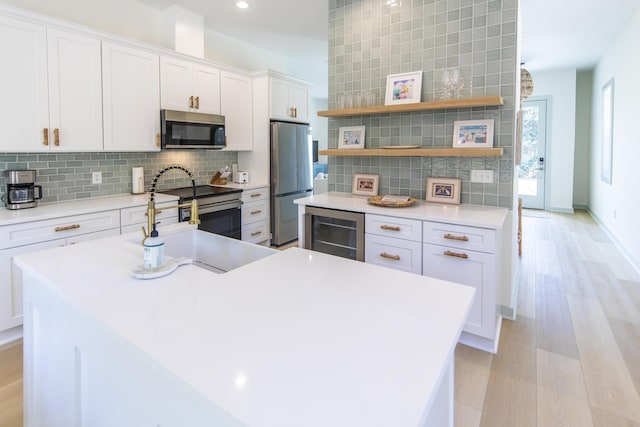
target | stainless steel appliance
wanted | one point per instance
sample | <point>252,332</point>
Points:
<point>219,208</point>
<point>291,177</point>
<point>21,189</point>
<point>181,129</point>
<point>335,232</point>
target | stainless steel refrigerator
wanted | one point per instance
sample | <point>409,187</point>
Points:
<point>291,177</point>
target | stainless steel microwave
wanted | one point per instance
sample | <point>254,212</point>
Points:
<point>182,129</point>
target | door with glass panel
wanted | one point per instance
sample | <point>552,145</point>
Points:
<point>531,174</point>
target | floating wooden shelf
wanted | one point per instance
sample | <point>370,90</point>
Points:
<point>416,152</point>
<point>487,101</point>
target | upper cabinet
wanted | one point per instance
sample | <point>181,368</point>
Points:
<point>51,86</point>
<point>236,101</point>
<point>189,86</point>
<point>289,100</point>
<point>131,87</point>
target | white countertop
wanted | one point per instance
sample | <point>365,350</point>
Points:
<point>470,215</point>
<point>247,186</point>
<point>299,338</point>
<point>78,207</point>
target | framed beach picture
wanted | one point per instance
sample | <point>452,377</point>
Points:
<point>365,184</point>
<point>444,190</point>
<point>403,88</point>
<point>351,137</point>
<point>473,134</point>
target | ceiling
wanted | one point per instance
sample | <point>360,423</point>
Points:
<point>555,33</point>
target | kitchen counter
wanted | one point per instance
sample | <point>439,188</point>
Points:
<point>298,338</point>
<point>469,215</point>
<point>78,207</point>
<point>247,186</point>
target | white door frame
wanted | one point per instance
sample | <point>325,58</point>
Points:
<point>547,143</point>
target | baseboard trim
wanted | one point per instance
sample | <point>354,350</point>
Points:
<point>10,335</point>
<point>625,253</point>
<point>562,210</point>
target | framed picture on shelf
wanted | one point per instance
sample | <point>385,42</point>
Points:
<point>444,190</point>
<point>365,184</point>
<point>473,134</point>
<point>403,88</point>
<point>351,137</point>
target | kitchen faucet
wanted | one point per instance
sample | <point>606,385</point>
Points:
<point>151,206</point>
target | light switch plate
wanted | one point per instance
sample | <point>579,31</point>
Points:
<point>96,177</point>
<point>482,176</point>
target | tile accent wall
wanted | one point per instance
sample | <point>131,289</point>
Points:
<point>67,176</point>
<point>368,40</point>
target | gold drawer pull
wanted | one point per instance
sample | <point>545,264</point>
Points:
<point>392,257</point>
<point>56,137</point>
<point>390,228</point>
<point>456,254</point>
<point>256,212</point>
<point>454,237</point>
<point>67,227</point>
<point>158,139</point>
<point>256,195</point>
<point>45,134</point>
<point>197,102</point>
<point>256,233</point>
<point>191,101</point>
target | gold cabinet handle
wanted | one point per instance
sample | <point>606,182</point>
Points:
<point>197,102</point>
<point>454,237</point>
<point>191,101</point>
<point>256,212</point>
<point>390,228</point>
<point>256,195</point>
<point>456,254</point>
<point>158,140</point>
<point>295,112</point>
<point>56,137</point>
<point>67,227</point>
<point>45,136</point>
<point>256,233</point>
<point>391,257</point>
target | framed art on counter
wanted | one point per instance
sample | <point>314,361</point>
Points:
<point>473,134</point>
<point>351,137</point>
<point>444,190</point>
<point>365,184</point>
<point>403,88</point>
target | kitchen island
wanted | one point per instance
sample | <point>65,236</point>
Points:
<point>297,338</point>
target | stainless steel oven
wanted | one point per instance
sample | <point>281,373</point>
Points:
<point>219,209</point>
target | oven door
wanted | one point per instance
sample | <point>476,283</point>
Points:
<point>220,218</point>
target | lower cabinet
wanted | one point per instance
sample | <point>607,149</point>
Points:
<point>133,219</point>
<point>255,215</point>
<point>393,242</point>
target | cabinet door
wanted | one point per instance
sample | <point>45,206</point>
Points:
<point>24,106</point>
<point>299,100</point>
<point>75,92</point>
<point>475,269</point>
<point>279,99</point>
<point>236,105</point>
<point>131,96</point>
<point>175,90</point>
<point>11,283</point>
<point>206,89</point>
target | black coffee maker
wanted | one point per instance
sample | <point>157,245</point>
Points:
<point>21,189</point>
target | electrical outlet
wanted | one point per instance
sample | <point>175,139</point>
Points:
<point>96,177</point>
<point>482,176</point>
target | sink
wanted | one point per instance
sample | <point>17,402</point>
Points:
<point>211,251</point>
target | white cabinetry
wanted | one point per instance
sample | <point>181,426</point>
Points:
<point>38,235</point>
<point>51,88</point>
<point>393,242</point>
<point>466,255</point>
<point>189,86</point>
<point>255,215</point>
<point>236,102</point>
<point>131,96</point>
<point>132,219</point>
<point>289,100</point>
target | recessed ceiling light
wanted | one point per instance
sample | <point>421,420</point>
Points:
<point>242,4</point>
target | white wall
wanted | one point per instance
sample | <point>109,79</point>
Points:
<point>560,87</point>
<point>584,83</point>
<point>617,205</point>
<point>319,125</point>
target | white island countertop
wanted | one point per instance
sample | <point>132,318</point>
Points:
<point>298,338</point>
<point>469,215</point>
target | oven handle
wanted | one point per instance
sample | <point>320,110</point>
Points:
<point>206,209</point>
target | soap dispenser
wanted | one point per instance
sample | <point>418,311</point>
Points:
<point>153,250</point>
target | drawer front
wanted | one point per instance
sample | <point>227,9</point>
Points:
<point>399,228</point>
<point>458,236</point>
<point>254,211</point>
<point>59,228</point>
<point>405,255</point>
<point>256,232</point>
<point>255,194</point>
<point>138,227</point>
<point>138,214</point>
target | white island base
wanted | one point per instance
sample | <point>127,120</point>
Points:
<point>294,339</point>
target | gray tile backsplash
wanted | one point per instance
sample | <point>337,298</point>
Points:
<point>67,176</point>
<point>369,40</point>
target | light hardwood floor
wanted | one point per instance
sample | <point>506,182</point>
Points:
<point>571,359</point>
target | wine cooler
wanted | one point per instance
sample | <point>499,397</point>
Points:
<point>335,232</point>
